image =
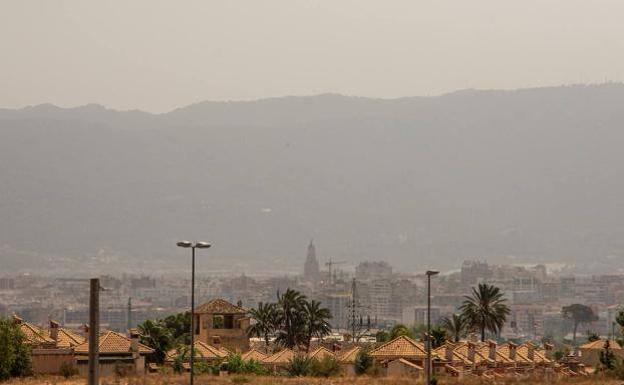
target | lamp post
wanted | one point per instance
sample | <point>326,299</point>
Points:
<point>428,339</point>
<point>196,245</point>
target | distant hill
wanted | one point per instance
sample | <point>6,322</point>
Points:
<point>533,173</point>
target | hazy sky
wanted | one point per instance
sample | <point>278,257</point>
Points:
<point>158,55</point>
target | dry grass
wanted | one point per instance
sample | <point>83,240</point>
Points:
<point>155,379</point>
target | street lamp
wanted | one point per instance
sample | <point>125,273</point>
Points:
<point>197,245</point>
<point>428,339</point>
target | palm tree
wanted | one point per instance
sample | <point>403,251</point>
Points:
<point>291,318</point>
<point>456,326</point>
<point>485,310</point>
<point>154,335</point>
<point>266,322</point>
<point>316,321</point>
<point>438,336</point>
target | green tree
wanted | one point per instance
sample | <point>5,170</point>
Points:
<point>316,321</point>
<point>485,310</point>
<point>363,362</point>
<point>592,336</point>
<point>400,330</point>
<point>158,337</point>
<point>578,314</point>
<point>456,326</point>
<point>266,321</point>
<point>179,325</point>
<point>438,336</point>
<point>291,308</point>
<point>382,336</point>
<point>15,358</point>
<point>607,357</point>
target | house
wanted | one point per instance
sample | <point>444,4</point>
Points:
<point>403,368</point>
<point>279,361</point>
<point>221,324</point>
<point>203,353</point>
<point>36,337</point>
<point>118,354</point>
<point>254,355</point>
<point>51,348</point>
<point>401,347</point>
<point>347,360</point>
<point>590,352</point>
<point>321,353</point>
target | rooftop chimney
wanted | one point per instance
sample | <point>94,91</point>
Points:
<point>492,350</point>
<point>549,348</point>
<point>471,351</point>
<point>449,352</point>
<point>531,351</point>
<point>85,331</point>
<point>134,342</point>
<point>512,350</point>
<point>17,320</point>
<point>472,337</point>
<point>54,328</point>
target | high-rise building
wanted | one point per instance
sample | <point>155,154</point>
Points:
<point>369,271</point>
<point>311,271</point>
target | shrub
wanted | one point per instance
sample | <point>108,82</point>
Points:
<point>177,365</point>
<point>235,364</point>
<point>15,358</point>
<point>327,367</point>
<point>201,367</point>
<point>254,367</point>
<point>300,366</point>
<point>68,370</point>
<point>363,363</point>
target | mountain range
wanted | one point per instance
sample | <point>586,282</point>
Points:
<point>530,175</point>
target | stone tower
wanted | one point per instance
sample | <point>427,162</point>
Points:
<point>311,271</point>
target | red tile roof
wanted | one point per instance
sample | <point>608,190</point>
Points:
<point>400,347</point>
<point>219,306</point>
<point>113,343</point>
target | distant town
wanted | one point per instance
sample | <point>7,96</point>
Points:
<point>374,293</point>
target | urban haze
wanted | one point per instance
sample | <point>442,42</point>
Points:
<point>289,178</point>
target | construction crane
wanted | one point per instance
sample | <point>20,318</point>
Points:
<point>329,265</point>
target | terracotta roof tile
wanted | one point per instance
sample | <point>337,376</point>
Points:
<point>255,355</point>
<point>35,335</point>
<point>202,350</point>
<point>219,306</point>
<point>320,353</point>
<point>113,343</point>
<point>281,357</point>
<point>505,350</point>
<point>400,347</point>
<point>539,356</point>
<point>408,364</point>
<point>599,345</point>
<point>350,355</point>
<point>67,338</point>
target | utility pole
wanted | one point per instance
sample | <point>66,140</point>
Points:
<point>428,339</point>
<point>329,265</point>
<point>129,316</point>
<point>353,305</point>
<point>94,332</point>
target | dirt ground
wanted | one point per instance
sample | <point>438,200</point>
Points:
<point>157,379</point>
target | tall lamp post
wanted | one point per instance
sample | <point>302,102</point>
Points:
<point>428,339</point>
<point>193,246</point>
